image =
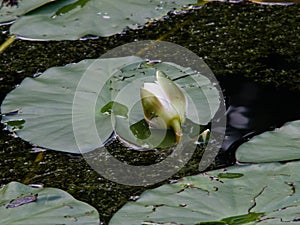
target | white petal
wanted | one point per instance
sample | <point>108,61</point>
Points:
<point>164,104</point>
<point>159,93</point>
<point>155,89</point>
<point>173,93</point>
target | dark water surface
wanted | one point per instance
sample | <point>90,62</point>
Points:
<point>252,49</point>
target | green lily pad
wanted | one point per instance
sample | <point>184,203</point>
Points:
<point>264,194</point>
<point>21,204</point>
<point>77,107</point>
<point>282,144</point>
<point>45,105</point>
<point>70,20</point>
<point>10,13</point>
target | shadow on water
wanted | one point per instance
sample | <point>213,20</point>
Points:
<point>252,109</point>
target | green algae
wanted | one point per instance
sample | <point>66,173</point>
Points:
<point>248,41</point>
<point>252,41</point>
<point>72,174</point>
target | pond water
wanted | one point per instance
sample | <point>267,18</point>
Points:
<point>252,49</point>
<point>253,108</point>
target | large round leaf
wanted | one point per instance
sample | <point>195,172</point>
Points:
<point>69,20</point>
<point>83,97</point>
<point>10,12</point>
<point>21,204</point>
<point>254,194</point>
<point>40,110</point>
<point>279,145</point>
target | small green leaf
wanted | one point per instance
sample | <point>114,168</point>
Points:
<point>15,123</point>
<point>230,175</point>
<point>212,223</point>
<point>115,108</point>
<point>68,8</point>
<point>243,219</point>
<point>141,129</point>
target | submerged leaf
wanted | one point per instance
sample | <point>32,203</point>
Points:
<point>140,129</point>
<point>70,7</point>
<point>115,108</point>
<point>230,175</point>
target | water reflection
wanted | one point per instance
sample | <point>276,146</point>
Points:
<point>253,109</point>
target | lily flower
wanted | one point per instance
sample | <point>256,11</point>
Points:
<point>164,104</point>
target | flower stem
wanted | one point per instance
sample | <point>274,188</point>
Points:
<point>7,43</point>
<point>176,126</point>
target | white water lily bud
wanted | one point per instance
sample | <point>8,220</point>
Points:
<point>164,104</point>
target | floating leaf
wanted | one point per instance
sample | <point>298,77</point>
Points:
<point>265,194</point>
<point>93,98</point>
<point>278,145</point>
<point>45,104</point>
<point>33,206</point>
<point>70,20</point>
<point>10,12</point>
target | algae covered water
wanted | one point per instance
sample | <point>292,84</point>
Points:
<point>240,42</point>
